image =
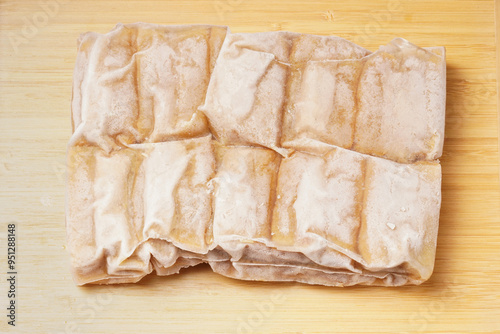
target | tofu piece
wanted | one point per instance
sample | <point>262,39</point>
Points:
<point>244,195</point>
<point>142,83</point>
<point>246,93</point>
<point>145,205</point>
<point>381,214</point>
<point>177,198</point>
<point>389,104</point>
<point>322,103</point>
<point>103,215</point>
<point>400,217</point>
<point>319,197</point>
<point>401,103</point>
<point>249,86</point>
<point>105,104</point>
<point>173,69</point>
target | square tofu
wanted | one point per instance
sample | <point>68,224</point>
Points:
<point>322,103</point>
<point>322,89</point>
<point>177,198</point>
<point>244,194</point>
<point>245,97</point>
<point>380,213</point>
<point>400,216</point>
<point>119,201</point>
<point>103,215</point>
<point>390,103</point>
<point>142,83</point>
<point>401,103</point>
<point>319,197</point>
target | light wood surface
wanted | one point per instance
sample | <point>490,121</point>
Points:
<point>37,54</point>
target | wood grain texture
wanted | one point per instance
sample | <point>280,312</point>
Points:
<point>37,54</point>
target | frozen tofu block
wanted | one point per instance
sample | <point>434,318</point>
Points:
<point>245,97</point>
<point>381,214</point>
<point>244,196</point>
<point>401,103</point>
<point>322,103</point>
<point>178,201</point>
<point>400,217</point>
<point>102,231</point>
<point>318,202</point>
<point>272,156</point>
<point>389,104</point>
<point>142,83</point>
<point>245,186</point>
<point>248,88</point>
<point>146,200</point>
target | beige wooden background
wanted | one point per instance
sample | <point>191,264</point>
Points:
<point>37,54</point>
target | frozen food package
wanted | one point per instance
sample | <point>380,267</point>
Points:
<point>273,156</point>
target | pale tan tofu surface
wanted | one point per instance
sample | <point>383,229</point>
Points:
<point>143,83</point>
<point>246,94</point>
<point>271,156</point>
<point>118,203</point>
<point>381,214</point>
<point>401,104</point>
<point>322,103</point>
<point>389,104</point>
<point>244,193</point>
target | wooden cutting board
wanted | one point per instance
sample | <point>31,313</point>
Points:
<point>37,54</point>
